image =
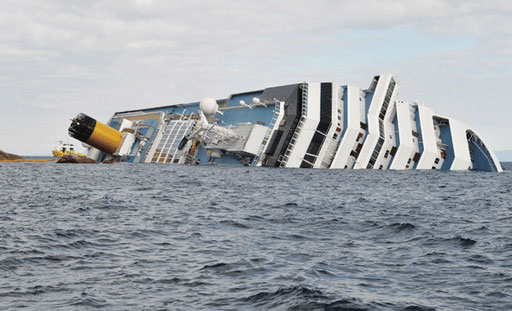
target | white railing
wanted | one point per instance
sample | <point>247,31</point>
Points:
<point>277,110</point>
<point>284,158</point>
<point>481,147</point>
<point>304,87</point>
<point>291,144</point>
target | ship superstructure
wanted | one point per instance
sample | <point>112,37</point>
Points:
<point>60,149</point>
<point>303,125</point>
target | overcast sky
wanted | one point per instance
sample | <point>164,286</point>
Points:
<point>59,58</point>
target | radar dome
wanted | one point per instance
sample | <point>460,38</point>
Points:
<point>208,106</point>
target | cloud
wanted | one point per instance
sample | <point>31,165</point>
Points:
<point>105,56</point>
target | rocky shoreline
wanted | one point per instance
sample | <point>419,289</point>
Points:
<point>67,158</point>
<point>9,156</point>
<point>73,158</point>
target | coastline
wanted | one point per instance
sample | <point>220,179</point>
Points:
<point>10,157</point>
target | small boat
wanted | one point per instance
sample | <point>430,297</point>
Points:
<point>61,149</point>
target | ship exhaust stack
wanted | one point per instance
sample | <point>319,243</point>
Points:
<point>95,134</point>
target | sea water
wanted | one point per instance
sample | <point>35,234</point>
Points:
<point>170,237</point>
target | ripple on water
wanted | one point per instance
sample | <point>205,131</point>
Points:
<point>158,237</point>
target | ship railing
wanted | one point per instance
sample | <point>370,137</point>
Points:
<point>484,153</point>
<point>481,146</point>
<point>292,142</point>
<point>180,125</point>
<point>300,125</point>
<point>304,88</point>
<point>277,110</point>
<point>173,144</point>
<point>309,162</point>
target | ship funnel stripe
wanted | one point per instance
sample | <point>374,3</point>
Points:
<point>82,127</point>
<point>94,133</point>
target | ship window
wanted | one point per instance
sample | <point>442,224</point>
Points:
<point>416,157</point>
<point>309,158</point>
<point>436,161</point>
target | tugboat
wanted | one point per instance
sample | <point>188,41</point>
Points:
<point>61,149</point>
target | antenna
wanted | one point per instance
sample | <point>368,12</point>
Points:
<point>242,103</point>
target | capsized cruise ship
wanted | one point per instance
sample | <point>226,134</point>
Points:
<point>303,125</point>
